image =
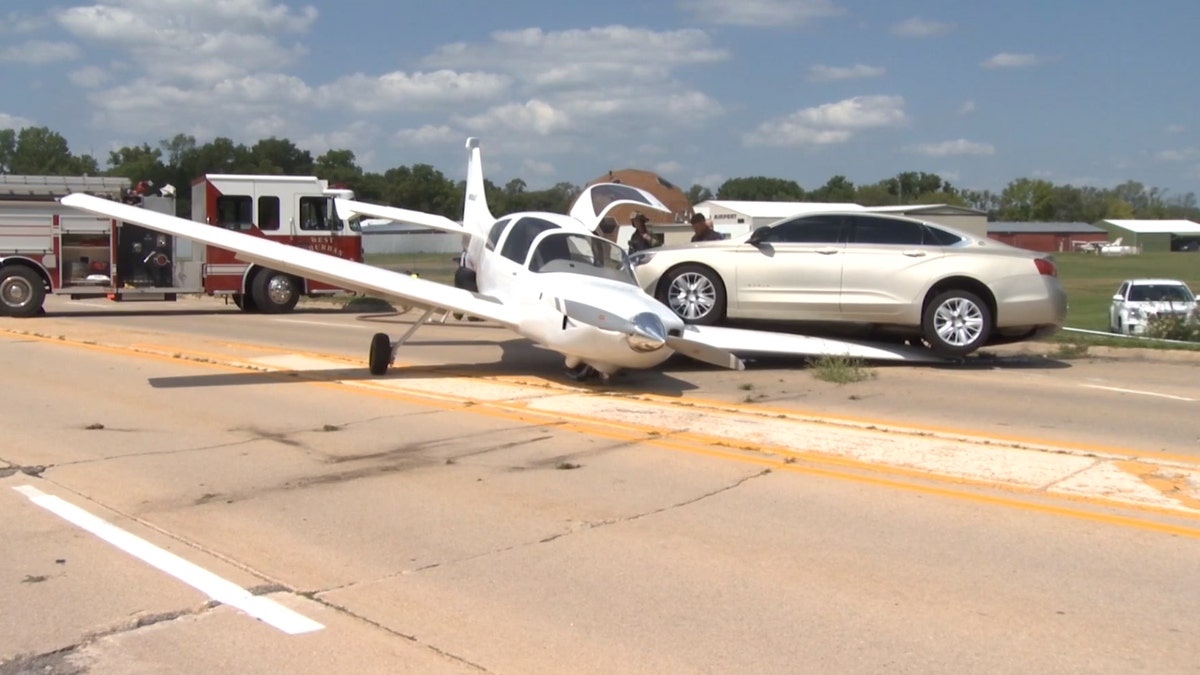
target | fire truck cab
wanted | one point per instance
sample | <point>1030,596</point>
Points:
<point>48,248</point>
<point>296,210</point>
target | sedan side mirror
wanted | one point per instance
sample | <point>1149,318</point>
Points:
<point>1118,298</point>
<point>759,236</point>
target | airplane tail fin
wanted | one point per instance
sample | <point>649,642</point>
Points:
<point>477,218</point>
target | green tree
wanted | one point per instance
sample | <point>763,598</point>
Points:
<point>40,151</point>
<point>8,147</point>
<point>761,188</point>
<point>280,156</point>
<point>339,168</point>
<point>837,189</point>
<point>1027,199</point>
<point>698,193</point>
<point>139,163</point>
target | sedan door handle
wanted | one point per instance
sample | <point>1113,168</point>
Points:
<point>828,251</point>
<point>915,254</point>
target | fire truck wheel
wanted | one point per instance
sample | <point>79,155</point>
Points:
<point>380,356</point>
<point>21,291</point>
<point>275,292</point>
<point>244,302</point>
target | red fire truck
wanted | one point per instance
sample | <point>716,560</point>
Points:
<point>48,248</point>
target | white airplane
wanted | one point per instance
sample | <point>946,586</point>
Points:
<point>546,276</point>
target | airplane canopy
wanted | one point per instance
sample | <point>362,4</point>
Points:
<point>573,253</point>
<point>597,200</point>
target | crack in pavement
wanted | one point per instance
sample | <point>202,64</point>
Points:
<point>314,596</point>
<point>654,512</point>
<point>585,526</point>
<point>57,662</point>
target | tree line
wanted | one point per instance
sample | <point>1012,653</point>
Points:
<point>180,159</point>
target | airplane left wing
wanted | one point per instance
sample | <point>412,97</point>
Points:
<point>347,274</point>
<point>349,207</point>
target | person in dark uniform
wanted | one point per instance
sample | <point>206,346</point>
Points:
<point>642,238</point>
<point>702,230</point>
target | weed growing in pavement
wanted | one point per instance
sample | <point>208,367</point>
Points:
<point>841,369</point>
<point>1071,350</point>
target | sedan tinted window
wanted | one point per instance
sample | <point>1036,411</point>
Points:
<point>941,237</point>
<point>868,230</point>
<point>811,230</point>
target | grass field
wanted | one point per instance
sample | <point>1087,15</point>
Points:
<point>1090,280</point>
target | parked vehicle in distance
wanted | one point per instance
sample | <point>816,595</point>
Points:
<point>953,290</point>
<point>1138,302</point>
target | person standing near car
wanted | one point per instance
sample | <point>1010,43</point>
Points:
<point>642,238</point>
<point>702,230</point>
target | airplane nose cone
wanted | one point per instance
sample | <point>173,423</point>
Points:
<point>648,334</point>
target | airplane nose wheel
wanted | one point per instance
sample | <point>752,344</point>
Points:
<point>380,356</point>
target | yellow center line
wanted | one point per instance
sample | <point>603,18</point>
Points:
<point>777,459</point>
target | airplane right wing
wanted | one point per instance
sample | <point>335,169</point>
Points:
<point>746,341</point>
<point>347,274</point>
<point>349,207</point>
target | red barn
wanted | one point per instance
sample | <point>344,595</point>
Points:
<point>1047,237</point>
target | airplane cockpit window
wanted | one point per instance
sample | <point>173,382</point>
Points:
<point>496,231</point>
<point>521,235</point>
<point>572,253</point>
<point>603,195</point>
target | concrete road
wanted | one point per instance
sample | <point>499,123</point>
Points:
<point>683,521</point>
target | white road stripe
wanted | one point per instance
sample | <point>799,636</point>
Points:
<point>1140,393</point>
<point>221,590</point>
<point>324,324</point>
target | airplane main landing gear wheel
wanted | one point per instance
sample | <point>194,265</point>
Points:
<point>380,356</point>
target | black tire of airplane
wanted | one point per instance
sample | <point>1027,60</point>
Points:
<point>264,282</point>
<point>21,291</point>
<point>715,313</point>
<point>380,356</point>
<point>929,330</point>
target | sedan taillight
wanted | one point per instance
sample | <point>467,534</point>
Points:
<point>1046,267</point>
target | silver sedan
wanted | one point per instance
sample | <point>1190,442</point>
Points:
<point>950,289</point>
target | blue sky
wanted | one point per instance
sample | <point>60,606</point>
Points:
<point>1077,92</point>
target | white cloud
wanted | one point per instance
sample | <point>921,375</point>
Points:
<point>404,91</point>
<point>17,22</point>
<point>537,167</point>
<point>761,13</point>
<point>1005,60</point>
<point>40,51</point>
<point>239,108</point>
<point>711,181</point>
<point>668,167</point>
<point>353,136</point>
<point>195,41</point>
<point>917,27</point>
<point>1175,129</point>
<point>966,108</point>
<point>89,77</point>
<point>537,117</point>
<point>1179,155</point>
<point>959,146</point>
<point>823,73</point>
<point>428,135</point>
<point>13,122</point>
<point>588,57</point>
<point>831,122</point>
